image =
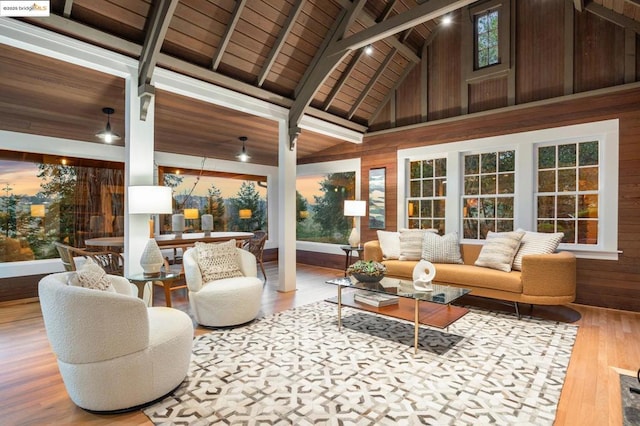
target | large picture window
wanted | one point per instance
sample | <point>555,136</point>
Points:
<point>427,201</point>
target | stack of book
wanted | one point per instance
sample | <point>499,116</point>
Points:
<point>375,299</point>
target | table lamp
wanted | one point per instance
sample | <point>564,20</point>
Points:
<point>355,208</point>
<point>150,200</point>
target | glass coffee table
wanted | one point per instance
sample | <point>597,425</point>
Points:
<point>432,308</point>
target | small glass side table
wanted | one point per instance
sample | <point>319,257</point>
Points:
<point>348,251</point>
<point>164,279</point>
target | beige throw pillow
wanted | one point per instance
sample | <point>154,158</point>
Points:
<point>218,261</point>
<point>91,275</point>
<point>499,250</point>
<point>536,243</point>
<point>411,243</point>
<point>441,249</point>
<point>389,244</point>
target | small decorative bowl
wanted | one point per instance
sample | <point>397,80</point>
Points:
<point>364,278</point>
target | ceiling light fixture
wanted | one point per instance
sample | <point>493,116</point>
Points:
<point>243,156</point>
<point>447,19</point>
<point>107,135</point>
<point>368,50</point>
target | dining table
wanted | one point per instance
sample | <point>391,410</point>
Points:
<point>175,241</point>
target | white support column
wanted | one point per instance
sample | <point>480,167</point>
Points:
<point>139,170</point>
<point>286,210</point>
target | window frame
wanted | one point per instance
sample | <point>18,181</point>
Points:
<point>525,145</point>
<point>431,198</point>
<point>340,166</point>
<point>504,41</point>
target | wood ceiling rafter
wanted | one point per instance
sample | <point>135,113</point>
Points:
<point>321,69</point>
<point>284,33</point>
<point>235,17</point>
<point>613,16</point>
<point>373,80</point>
<point>578,5</point>
<point>339,46</point>
<point>354,61</point>
<point>157,26</point>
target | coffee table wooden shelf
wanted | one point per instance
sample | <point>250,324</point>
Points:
<point>431,308</point>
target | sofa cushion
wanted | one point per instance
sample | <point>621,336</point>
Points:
<point>400,268</point>
<point>218,261</point>
<point>499,249</point>
<point>411,244</point>
<point>474,276</point>
<point>389,244</point>
<point>536,243</point>
<point>441,249</point>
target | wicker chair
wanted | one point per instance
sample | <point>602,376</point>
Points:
<point>110,261</point>
<point>255,245</point>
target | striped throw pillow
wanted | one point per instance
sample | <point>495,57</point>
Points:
<point>499,250</point>
<point>536,243</point>
<point>411,244</point>
<point>441,249</point>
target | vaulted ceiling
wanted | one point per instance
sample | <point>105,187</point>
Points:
<point>306,55</point>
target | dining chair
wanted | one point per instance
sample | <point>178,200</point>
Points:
<point>255,245</point>
<point>110,261</point>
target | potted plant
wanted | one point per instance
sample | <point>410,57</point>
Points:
<point>367,270</point>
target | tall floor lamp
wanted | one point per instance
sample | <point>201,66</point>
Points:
<point>150,200</point>
<point>355,208</point>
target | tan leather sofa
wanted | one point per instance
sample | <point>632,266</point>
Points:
<point>546,279</point>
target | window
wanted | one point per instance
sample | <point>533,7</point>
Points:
<point>488,194</point>
<point>46,198</point>
<point>221,196</point>
<point>426,204</point>
<point>567,191</point>
<point>319,207</point>
<point>486,30</point>
<point>560,179</point>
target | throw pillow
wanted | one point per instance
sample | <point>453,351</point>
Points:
<point>536,243</point>
<point>499,249</point>
<point>91,275</point>
<point>389,244</point>
<point>218,261</point>
<point>411,243</point>
<point>441,248</point>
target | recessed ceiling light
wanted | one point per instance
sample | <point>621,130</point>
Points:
<point>446,20</point>
<point>368,50</point>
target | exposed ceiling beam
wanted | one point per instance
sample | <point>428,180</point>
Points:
<point>100,38</point>
<point>613,17</point>
<point>284,33</point>
<point>368,21</point>
<point>371,82</point>
<point>633,1</point>
<point>235,17</point>
<point>157,26</point>
<point>68,4</point>
<point>321,70</point>
<point>578,5</point>
<point>354,61</point>
<point>390,93</point>
<point>395,24</point>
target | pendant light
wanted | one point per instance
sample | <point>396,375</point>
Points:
<point>107,135</point>
<point>243,156</point>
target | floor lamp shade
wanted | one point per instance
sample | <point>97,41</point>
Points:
<point>355,208</point>
<point>150,200</point>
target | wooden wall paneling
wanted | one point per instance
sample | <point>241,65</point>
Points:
<point>629,56</point>
<point>613,284</point>
<point>539,52</point>
<point>569,32</point>
<point>599,53</point>
<point>445,74</point>
<point>408,99</point>
<point>16,288</point>
<point>384,118</point>
<point>488,94</point>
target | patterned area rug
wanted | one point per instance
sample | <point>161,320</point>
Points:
<point>295,368</point>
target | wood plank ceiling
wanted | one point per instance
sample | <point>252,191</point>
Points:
<point>305,55</point>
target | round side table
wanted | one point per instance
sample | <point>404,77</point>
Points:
<point>348,251</point>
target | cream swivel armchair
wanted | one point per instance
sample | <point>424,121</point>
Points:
<point>227,301</point>
<point>113,352</point>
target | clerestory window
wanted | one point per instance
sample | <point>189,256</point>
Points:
<point>487,41</point>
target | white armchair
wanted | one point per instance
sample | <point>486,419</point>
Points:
<point>224,302</point>
<point>113,352</point>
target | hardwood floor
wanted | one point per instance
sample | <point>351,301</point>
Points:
<point>32,392</point>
